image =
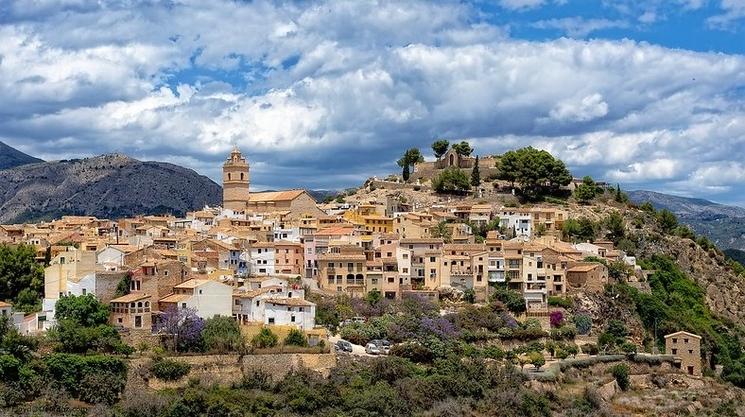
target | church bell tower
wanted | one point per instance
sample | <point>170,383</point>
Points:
<point>235,181</point>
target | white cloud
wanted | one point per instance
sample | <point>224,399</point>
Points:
<point>578,27</point>
<point>521,4</point>
<point>324,94</point>
<point>588,108</point>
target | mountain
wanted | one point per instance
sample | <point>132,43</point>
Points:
<point>11,157</point>
<point>724,225</point>
<point>107,186</point>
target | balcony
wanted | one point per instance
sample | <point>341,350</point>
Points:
<point>496,276</point>
<point>460,272</point>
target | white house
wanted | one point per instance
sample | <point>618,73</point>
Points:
<point>208,298</point>
<point>519,221</point>
<point>291,234</point>
<point>262,259</point>
<point>112,257</point>
<point>274,305</point>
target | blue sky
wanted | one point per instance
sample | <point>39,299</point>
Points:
<point>325,94</point>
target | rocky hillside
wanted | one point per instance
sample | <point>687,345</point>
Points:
<point>724,225</point>
<point>11,157</point>
<point>107,186</point>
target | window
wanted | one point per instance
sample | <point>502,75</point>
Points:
<point>690,351</point>
<point>431,258</point>
<point>85,291</point>
<point>292,319</point>
<point>257,303</point>
<point>200,292</point>
<point>183,305</point>
<point>675,351</point>
<point>675,340</point>
<point>138,321</point>
<point>271,320</point>
<point>684,340</point>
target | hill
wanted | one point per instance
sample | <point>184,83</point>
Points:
<point>724,225</point>
<point>107,186</point>
<point>11,157</point>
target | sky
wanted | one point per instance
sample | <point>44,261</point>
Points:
<point>323,95</point>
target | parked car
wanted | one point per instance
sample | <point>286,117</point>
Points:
<point>383,345</point>
<point>343,346</point>
<point>372,349</point>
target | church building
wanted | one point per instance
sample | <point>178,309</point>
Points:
<point>237,197</point>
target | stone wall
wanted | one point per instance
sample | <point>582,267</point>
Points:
<point>229,369</point>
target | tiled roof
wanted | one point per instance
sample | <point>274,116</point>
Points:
<point>129,298</point>
<point>297,302</point>
<point>175,298</point>
<point>268,196</point>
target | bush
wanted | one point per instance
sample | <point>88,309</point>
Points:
<point>265,339</point>
<point>537,359</point>
<point>621,373</point>
<point>590,349</point>
<point>564,302</point>
<point>556,318</point>
<point>451,181</point>
<point>513,300</point>
<point>70,370</point>
<point>101,387</point>
<point>296,338</point>
<point>256,379</point>
<point>628,347</point>
<point>583,323</point>
<point>169,369</point>
<point>413,351</point>
<point>222,334</point>
<point>566,332</point>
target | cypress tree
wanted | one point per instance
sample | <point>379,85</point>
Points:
<point>475,174</point>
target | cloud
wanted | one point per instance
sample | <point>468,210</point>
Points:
<point>732,11</point>
<point>325,94</point>
<point>521,4</point>
<point>578,27</point>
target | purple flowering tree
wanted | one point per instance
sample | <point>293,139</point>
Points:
<point>556,318</point>
<point>181,329</point>
<point>440,327</point>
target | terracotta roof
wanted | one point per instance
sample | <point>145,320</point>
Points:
<point>3,304</point>
<point>336,230</point>
<point>411,241</point>
<point>342,257</point>
<point>192,283</point>
<point>267,196</point>
<point>129,298</point>
<point>175,298</point>
<point>583,268</point>
<point>254,293</point>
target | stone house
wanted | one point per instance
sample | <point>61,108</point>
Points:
<point>157,279</point>
<point>687,347</point>
<point>586,276</point>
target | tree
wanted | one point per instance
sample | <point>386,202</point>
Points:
<point>85,310</point>
<point>19,270</point>
<point>440,147</point>
<point>442,231</point>
<point>621,373</point>
<point>469,296</point>
<point>587,191</point>
<point>463,148</point>
<point>182,329</point>
<point>264,339</point>
<point>615,226</point>
<point>451,181</point>
<point>537,172</point>
<point>296,338</point>
<point>475,174</point>
<point>222,334</point>
<point>410,157</point>
<point>667,220</point>
<point>373,297</point>
<point>620,196</point>
<point>513,300</point>
<point>537,359</point>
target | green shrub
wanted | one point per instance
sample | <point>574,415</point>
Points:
<point>169,369</point>
<point>265,339</point>
<point>557,301</point>
<point>583,323</point>
<point>70,370</point>
<point>222,334</point>
<point>590,349</point>
<point>621,373</point>
<point>296,338</point>
<point>101,387</point>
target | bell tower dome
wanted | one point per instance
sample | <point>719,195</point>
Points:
<point>235,181</point>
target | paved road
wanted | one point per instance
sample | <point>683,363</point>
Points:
<point>357,350</point>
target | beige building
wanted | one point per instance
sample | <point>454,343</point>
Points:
<point>586,276</point>
<point>687,347</point>
<point>343,270</point>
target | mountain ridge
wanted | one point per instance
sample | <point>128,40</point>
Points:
<point>11,157</point>
<point>107,186</point>
<point>721,223</point>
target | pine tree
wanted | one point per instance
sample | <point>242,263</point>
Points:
<point>475,174</point>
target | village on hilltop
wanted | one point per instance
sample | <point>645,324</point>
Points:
<point>260,256</point>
